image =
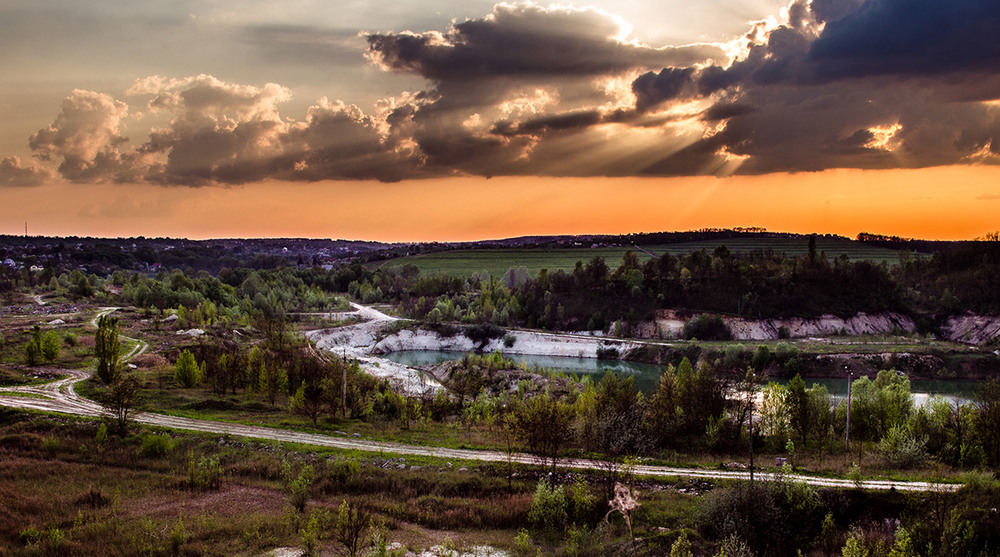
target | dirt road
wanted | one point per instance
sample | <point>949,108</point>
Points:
<point>60,396</point>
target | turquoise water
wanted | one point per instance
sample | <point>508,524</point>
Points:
<point>647,375</point>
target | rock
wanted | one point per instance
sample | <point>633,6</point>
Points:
<point>414,468</point>
<point>57,322</point>
<point>169,318</point>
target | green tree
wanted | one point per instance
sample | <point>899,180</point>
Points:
<point>662,418</point>
<point>186,371</point>
<point>543,423</point>
<point>33,350</point>
<point>351,525</point>
<point>987,419</point>
<point>298,486</point>
<point>799,409</point>
<point>761,358</point>
<point>272,379</point>
<point>107,349</point>
<point>32,353</point>
<point>309,400</point>
<point>50,346</point>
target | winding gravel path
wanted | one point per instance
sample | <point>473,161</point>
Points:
<point>60,396</point>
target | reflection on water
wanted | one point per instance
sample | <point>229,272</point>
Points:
<point>647,375</point>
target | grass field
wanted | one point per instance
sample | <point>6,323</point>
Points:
<point>496,261</point>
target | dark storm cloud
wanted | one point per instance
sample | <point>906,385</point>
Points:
<point>916,37</point>
<point>532,90</point>
<point>526,39</point>
<point>878,84</point>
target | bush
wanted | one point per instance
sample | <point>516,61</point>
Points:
<point>607,353</point>
<point>483,333</point>
<point>771,518</point>
<point>205,474</point>
<point>298,487</point>
<point>707,327</point>
<point>901,449</point>
<point>548,508</point>
<point>156,445</point>
<point>509,340</point>
<point>51,445</point>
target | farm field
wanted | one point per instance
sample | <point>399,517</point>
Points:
<point>496,261</point>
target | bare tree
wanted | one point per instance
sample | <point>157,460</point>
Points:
<point>121,400</point>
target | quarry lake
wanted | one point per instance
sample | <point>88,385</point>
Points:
<point>647,375</point>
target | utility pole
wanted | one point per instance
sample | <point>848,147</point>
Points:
<point>847,432</point>
<point>751,441</point>
<point>343,390</point>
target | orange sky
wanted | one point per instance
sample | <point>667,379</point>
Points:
<point>936,203</point>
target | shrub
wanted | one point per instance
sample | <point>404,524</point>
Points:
<point>297,487</point>
<point>607,353</point>
<point>71,339</point>
<point>771,518</point>
<point>522,544</point>
<point>707,327</point>
<point>901,449</point>
<point>205,474</point>
<point>509,340</point>
<point>156,445</point>
<point>681,546</point>
<point>102,433</point>
<point>548,508</point>
<point>483,333</point>
<point>51,445</point>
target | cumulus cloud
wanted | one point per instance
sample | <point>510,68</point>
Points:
<point>562,91</point>
<point>222,133</point>
<point>527,39</point>
<point>15,174</point>
<point>87,136</point>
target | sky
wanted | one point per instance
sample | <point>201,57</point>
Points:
<point>444,120</point>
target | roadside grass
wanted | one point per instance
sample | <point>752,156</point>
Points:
<point>829,460</point>
<point>21,394</point>
<point>68,491</point>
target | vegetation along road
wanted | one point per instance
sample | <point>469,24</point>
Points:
<point>60,396</point>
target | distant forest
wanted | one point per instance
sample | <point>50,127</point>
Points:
<point>958,277</point>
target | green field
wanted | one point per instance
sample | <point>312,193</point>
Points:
<point>496,261</point>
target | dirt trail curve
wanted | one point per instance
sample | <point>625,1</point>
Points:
<point>60,396</point>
